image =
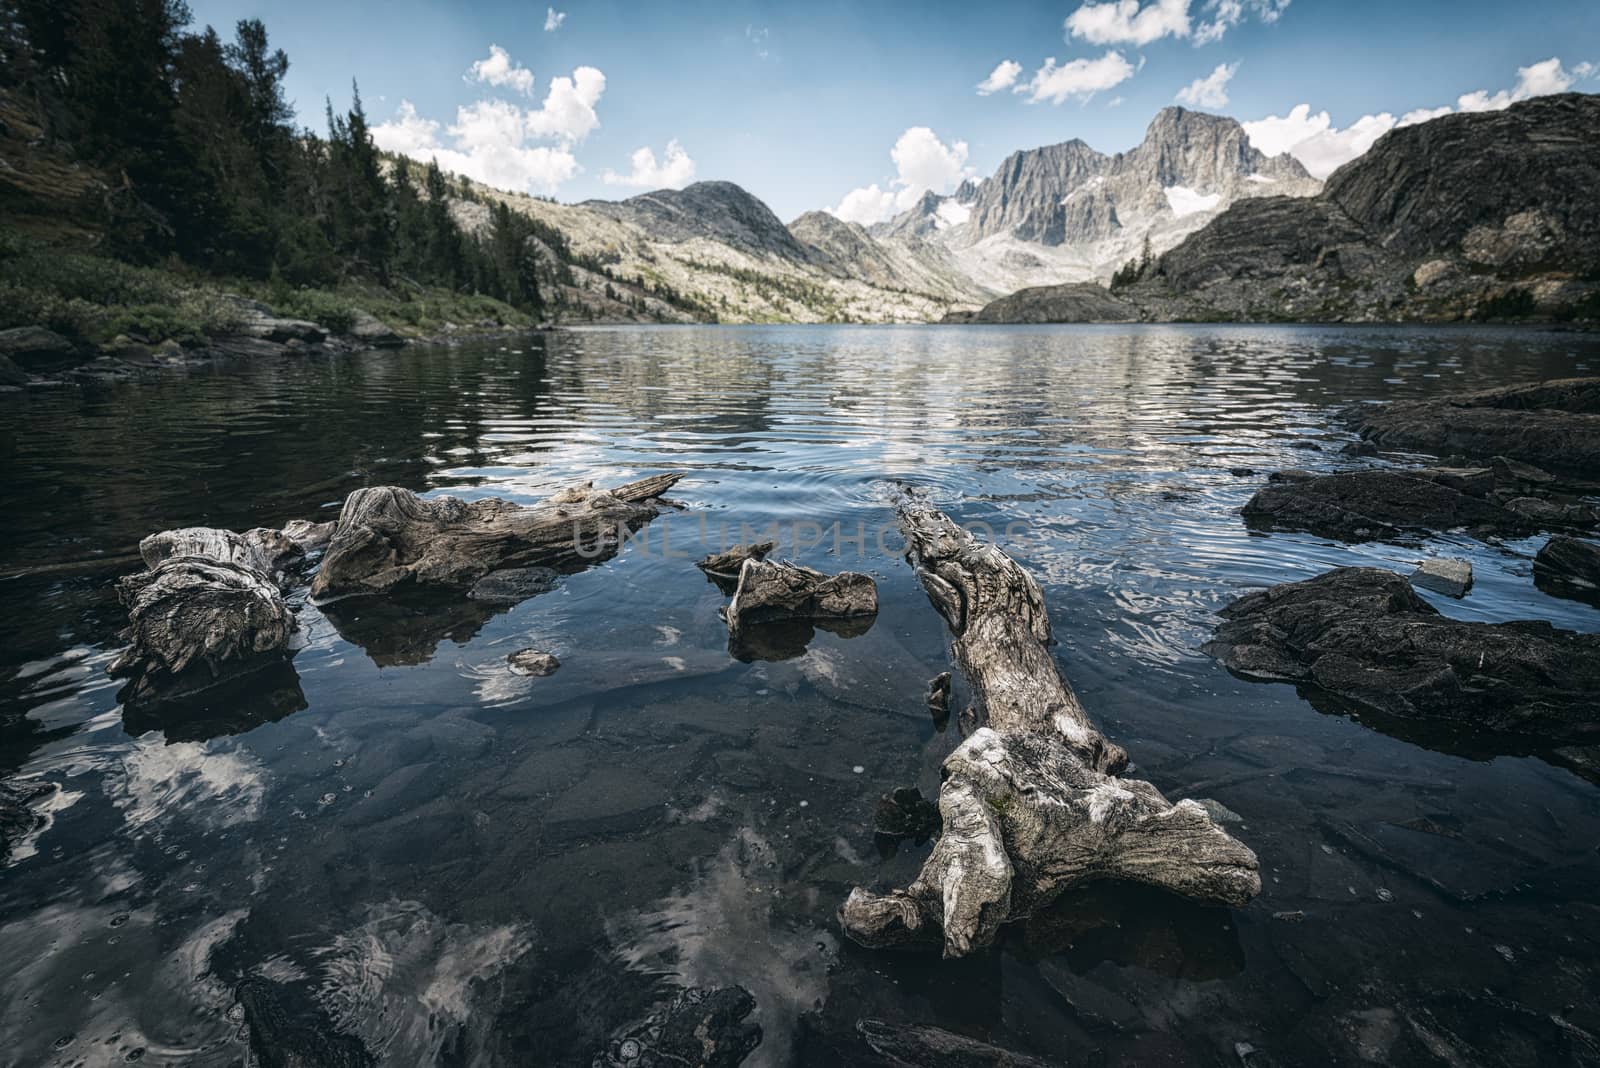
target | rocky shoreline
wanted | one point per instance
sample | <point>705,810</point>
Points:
<point>34,357</point>
<point>1359,640</point>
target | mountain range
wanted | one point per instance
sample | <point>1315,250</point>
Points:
<point>1437,220</point>
<point>1060,213</point>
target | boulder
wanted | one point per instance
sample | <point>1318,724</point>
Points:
<point>11,374</point>
<point>1553,424</point>
<point>1450,577</point>
<point>532,662</point>
<point>1364,635</point>
<point>1375,505</point>
<point>370,331</point>
<point>33,348</point>
<point>1568,567</point>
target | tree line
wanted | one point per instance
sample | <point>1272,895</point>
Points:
<point>204,160</point>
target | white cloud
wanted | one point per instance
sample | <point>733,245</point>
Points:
<point>674,171</point>
<point>1081,78</point>
<point>568,113</point>
<point>500,70</point>
<point>1003,76</point>
<point>922,163</point>
<point>553,19</point>
<point>1226,14</point>
<point>866,205</point>
<point>1322,148</point>
<point>1537,79</point>
<point>490,139</point>
<point>1126,22</point>
<point>1416,115</point>
<point>1313,139</point>
<point>1210,91</point>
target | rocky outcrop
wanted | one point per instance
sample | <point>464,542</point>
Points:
<point>1070,194</point>
<point>1567,567</point>
<point>388,537</point>
<point>1081,302</point>
<point>33,348</point>
<point>1554,424</point>
<point>1364,636</point>
<point>1375,505</point>
<point>1472,215</point>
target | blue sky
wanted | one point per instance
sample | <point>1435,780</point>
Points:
<point>805,104</point>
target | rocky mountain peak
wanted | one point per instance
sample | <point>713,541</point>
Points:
<point>720,211</point>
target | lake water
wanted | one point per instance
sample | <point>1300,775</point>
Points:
<point>399,847</point>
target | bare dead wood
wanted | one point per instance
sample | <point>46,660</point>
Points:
<point>208,608</point>
<point>388,537</point>
<point>1031,802</point>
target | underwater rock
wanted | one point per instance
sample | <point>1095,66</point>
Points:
<point>17,817</point>
<point>1365,635</point>
<point>700,1029</point>
<point>1554,424</point>
<point>921,1046</point>
<point>287,1029</point>
<point>905,813</point>
<point>939,700</point>
<point>1568,567</point>
<point>388,537</point>
<point>1031,803</point>
<point>532,662</point>
<point>514,585</point>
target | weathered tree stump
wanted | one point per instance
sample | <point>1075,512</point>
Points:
<point>388,537</point>
<point>771,592</point>
<point>777,607</point>
<point>208,608</point>
<point>1031,802</point>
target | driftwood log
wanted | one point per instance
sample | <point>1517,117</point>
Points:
<point>776,607</point>
<point>208,608</point>
<point>1031,802</point>
<point>387,537</point>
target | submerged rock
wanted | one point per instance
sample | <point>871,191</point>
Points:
<point>1554,424</point>
<point>514,585</point>
<point>701,1028</point>
<point>1364,635</point>
<point>17,817</point>
<point>533,662</point>
<point>905,813</point>
<point>922,1046</point>
<point>1452,578</point>
<point>1568,567</point>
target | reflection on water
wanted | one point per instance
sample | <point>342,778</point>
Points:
<point>395,847</point>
